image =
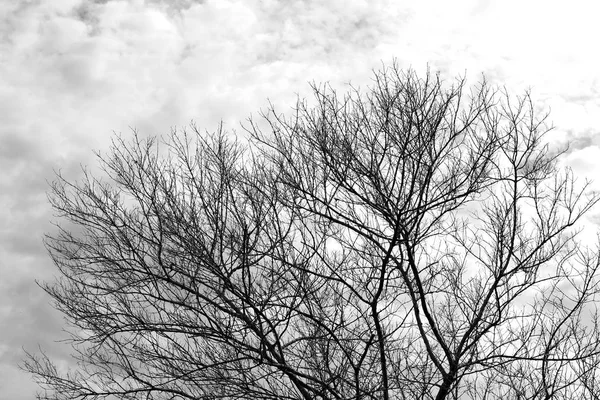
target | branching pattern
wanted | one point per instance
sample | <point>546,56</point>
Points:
<point>413,242</point>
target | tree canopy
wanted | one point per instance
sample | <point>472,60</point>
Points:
<point>415,240</point>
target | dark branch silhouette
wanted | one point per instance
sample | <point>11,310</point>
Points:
<point>416,241</point>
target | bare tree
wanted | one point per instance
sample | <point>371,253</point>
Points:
<point>416,241</point>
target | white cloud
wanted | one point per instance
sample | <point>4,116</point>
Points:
<point>72,71</point>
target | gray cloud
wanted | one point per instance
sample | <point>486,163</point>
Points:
<point>74,71</point>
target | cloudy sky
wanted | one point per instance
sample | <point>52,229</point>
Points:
<point>72,72</point>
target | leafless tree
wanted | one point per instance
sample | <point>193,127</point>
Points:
<point>417,241</point>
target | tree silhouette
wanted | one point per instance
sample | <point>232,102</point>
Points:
<point>416,241</point>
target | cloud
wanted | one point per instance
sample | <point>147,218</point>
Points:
<point>74,71</point>
<point>584,162</point>
<point>79,70</point>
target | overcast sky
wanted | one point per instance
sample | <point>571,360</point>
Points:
<point>72,72</point>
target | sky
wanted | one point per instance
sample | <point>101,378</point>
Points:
<point>74,72</point>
